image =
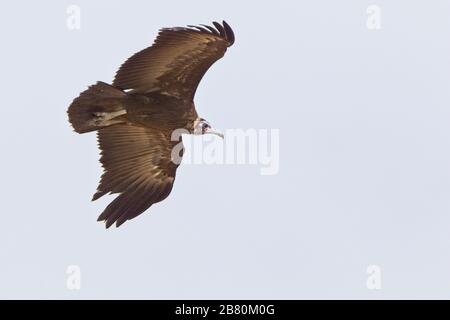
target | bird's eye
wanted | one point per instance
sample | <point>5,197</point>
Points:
<point>205,126</point>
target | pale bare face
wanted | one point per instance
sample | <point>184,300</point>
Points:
<point>201,126</point>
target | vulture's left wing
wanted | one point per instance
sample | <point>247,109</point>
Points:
<point>177,60</point>
<point>138,165</point>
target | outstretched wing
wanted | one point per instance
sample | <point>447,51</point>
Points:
<point>137,164</point>
<point>177,60</point>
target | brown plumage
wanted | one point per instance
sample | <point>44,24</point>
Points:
<point>150,97</point>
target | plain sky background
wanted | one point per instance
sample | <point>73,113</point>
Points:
<point>364,119</point>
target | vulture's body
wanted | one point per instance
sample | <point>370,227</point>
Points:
<point>151,96</point>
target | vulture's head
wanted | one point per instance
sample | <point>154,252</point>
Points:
<point>201,126</point>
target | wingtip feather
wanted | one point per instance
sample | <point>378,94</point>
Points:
<point>220,28</point>
<point>229,32</point>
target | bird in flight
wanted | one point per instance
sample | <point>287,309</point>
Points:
<point>151,96</point>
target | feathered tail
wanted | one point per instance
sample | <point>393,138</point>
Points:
<point>101,105</point>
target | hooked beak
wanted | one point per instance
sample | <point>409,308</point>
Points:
<point>214,131</point>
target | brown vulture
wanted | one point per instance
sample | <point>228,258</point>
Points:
<point>151,96</point>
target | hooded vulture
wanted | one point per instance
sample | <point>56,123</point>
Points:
<point>151,97</point>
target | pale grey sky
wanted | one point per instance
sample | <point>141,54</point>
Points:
<point>364,173</point>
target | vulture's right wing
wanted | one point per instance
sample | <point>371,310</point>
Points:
<point>177,60</point>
